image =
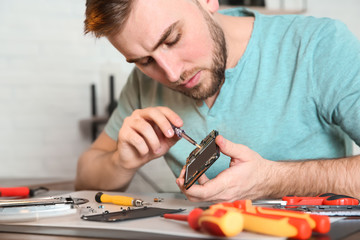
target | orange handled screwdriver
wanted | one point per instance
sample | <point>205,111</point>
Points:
<point>281,226</point>
<point>218,222</point>
<point>318,223</point>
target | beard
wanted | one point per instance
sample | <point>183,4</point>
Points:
<point>216,71</point>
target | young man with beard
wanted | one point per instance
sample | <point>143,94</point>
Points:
<point>283,92</point>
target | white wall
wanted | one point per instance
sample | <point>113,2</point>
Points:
<point>348,11</point>
<point>46,68</point>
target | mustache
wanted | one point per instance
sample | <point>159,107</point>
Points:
<point>186,75</point>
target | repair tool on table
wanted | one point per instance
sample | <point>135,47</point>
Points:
<point>322,199</point>
<point>276,222</point>
<point>329,204</point>
<point>120,200</point>
<point>21,192</point>
<point>41,201</point>
<point>32,209</point>
<point>317,223</point>
<point>130,214</point>
<point>216,221</point>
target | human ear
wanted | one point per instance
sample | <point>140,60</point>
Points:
<point>211,5</point>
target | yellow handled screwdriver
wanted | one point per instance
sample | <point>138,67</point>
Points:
<point>119,200</point>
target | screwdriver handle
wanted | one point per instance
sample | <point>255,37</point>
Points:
<point>215,221</point>
<point>224,222</point>
<point>318,223</point>
<point>118,200</point>
<point>15,192</point>
<point>277,225</point>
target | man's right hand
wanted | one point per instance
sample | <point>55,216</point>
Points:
<point>145,135</point>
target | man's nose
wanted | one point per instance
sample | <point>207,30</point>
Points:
<point>170,65</point>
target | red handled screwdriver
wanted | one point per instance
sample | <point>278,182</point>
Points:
<point>20,191</point>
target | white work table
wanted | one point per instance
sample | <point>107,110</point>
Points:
<point>146,228</point>
<point>71,226</point>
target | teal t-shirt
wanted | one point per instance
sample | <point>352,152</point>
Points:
<point>294,94</point>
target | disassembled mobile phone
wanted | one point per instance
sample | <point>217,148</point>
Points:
<point>201,158</point>
<point>130,214</point>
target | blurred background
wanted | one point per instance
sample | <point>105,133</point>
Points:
<point>48,113</point>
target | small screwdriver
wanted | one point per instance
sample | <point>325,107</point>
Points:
<point>181,134</point>
<point>119,200</point>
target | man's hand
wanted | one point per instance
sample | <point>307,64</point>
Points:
<point>242,180</point>
<point>145,135</point>
<point>252,177</point>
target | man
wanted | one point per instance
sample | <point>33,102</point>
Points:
<point>283,92</point>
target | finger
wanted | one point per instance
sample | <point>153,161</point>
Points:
<point>203,179</point>
<point>212,190</point>
<point>147,132</point>
<point>181,179</point>
<point>165,141</point>
<point>182,172</point>
<point>233,150</point>
<point>128,136</point>
<point>163,117</point>
<point>173,117</point>
<point>139,144</point>
<point>201,193</point>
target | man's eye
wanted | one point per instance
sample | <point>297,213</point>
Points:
<point>148,61</point>
<point>173,42</point>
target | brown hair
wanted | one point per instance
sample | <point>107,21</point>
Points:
<point>106,17</point>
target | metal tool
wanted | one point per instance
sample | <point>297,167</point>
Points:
<point>329,204</point>
<point>120,200</point>
<point>130,214</point>
<point>322,199</point>
<point>41,201</point>
<point>22,210</point>
<point>181,134</point>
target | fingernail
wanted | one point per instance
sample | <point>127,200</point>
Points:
<point>170,132</point>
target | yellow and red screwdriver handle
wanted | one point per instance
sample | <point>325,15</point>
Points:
<point>276,222</point>
<point>322,199</point>
<point>275,225</point>
<point>318,223</point>
<point>224,222</point>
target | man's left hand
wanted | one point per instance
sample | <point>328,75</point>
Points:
<point>246,177</point>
